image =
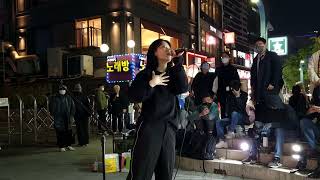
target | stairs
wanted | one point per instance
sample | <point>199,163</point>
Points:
<point>228,162</point>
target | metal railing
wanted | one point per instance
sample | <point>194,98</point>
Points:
<point>30,117</point>
<point>15,114</point>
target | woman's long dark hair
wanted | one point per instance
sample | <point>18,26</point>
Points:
<point>152,60</point>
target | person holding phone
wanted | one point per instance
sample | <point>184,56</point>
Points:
<point>157,87</point>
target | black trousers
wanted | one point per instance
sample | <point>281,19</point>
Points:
<point>102,119</point>
<point>82,130</point>
<point>117,122</point>
<point>153,151</point>
<point>64,138</point>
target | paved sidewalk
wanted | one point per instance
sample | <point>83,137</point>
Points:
<point>46,163</point>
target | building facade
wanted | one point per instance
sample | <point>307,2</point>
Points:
<point>80,24</point>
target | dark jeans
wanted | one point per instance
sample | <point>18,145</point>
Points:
<point>82,130</point>
<point>279,134</point>
<point>117,122</point>
<point>102,119</point>
<point>310,131</point>
<point>236,119</point>
<point>64,138</point>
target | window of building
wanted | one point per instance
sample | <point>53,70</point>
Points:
<point>171,5</point>
<point>88,32</point>
<point>148,36</point>
<point>212,9</point>
<point>209,43</point>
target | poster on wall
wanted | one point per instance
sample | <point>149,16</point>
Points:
<point>119,68</point>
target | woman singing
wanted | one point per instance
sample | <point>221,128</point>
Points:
<point>156,87</point>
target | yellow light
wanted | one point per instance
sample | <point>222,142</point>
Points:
<point>255,1</point>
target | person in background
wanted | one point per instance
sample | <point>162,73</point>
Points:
<point>119,106</point>
<point>236,108</point>
<point>310,128</point>
<point>314,70</point>
<point>221,85</point>
<point>102,105</point>
<point>266,83</point>
<point>298,101</point>
<point>82,115</point>
<point>202,83</point>
<point>62,109</point>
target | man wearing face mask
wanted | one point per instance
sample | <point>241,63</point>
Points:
<point>266,83</point>
<point>202,83</point>
<point>221,85</point>
<point>62,109</point>
<point>102,105</point>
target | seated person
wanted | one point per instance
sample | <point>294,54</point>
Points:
<point>206,114</point>
<point>310,127</point>
<point>236,109</point>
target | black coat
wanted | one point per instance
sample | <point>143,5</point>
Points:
<point>300,104</point>
<point>118,104</point>
<point>82,106</point>
<point>270,72</point>
<point>202,86</point>
<point>235,104</point>
<point>226,74</point>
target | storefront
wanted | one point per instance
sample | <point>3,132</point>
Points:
<point>151,32</point>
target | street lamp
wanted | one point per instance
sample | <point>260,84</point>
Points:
<point>131,44</point>
<point>254,1</point>
<point>104,48</point>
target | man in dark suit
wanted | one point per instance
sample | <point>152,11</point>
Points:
<point>266,83</point>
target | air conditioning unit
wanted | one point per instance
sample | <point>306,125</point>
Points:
<point>79,65</point>
<point>55,61</point>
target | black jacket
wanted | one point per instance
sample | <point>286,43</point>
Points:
<point>226,74</point>
<point>270,72</point>
<point>300,104</point>
<point>202,85</point>
<point>82,106</point>
<point>235,104</point>
<point>118,104</point>
<point>160,103</point>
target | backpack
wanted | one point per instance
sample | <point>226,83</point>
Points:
<point>200,146</point>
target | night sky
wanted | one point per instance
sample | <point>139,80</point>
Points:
<point>295,17</point>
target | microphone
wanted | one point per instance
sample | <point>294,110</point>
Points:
<point>179,50</point>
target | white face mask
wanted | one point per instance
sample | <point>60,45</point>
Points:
<point>225,60</point>
<point>62,92</point>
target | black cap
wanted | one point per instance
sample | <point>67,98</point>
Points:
<point>261,39</point>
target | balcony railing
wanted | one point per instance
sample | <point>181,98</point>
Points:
<point>90,36</point>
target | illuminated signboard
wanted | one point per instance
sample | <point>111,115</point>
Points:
<point>278,45</point>
<point>123,68</point>
<point>244,74</point>
<point>229,38</point>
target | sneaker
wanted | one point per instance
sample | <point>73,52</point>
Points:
<point>275,163</point>
<point>230,135</point>
<point>222,144</point>
<point>70,148</point>
<point>250,160</point>
<point>62,149</point>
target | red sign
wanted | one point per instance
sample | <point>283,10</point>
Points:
<point>229,38</point>
<point>193,58</point>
